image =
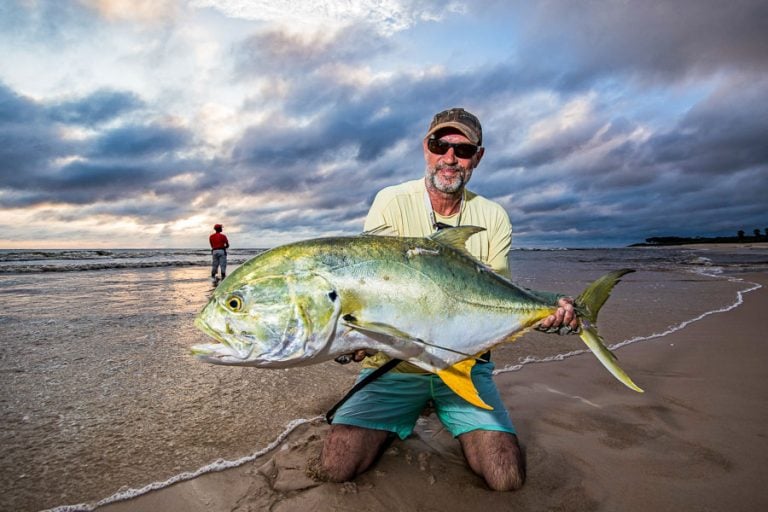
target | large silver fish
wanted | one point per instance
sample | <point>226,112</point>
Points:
<point>422,300</point>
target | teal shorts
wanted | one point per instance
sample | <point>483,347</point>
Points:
<point>394,401</point>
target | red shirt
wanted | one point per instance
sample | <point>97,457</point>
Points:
<point>218,241</point>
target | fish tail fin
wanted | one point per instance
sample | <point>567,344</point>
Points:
<point>458,377</point>
<point>606,357</point>
<point>588,305</point>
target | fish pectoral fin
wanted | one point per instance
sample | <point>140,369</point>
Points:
<point>458,377</point>
<point>388,333</point>
<point>402,343</point>
<point>376,328</point>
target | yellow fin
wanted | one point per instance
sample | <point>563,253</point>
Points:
<point>458,378</point>
<point>595,343</point>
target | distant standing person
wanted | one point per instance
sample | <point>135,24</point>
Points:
<point>219,246</point>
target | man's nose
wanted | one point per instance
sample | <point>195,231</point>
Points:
<point>449,156</point>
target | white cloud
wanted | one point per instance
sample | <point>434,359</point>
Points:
<point>134,10</point>
<point>389,16</point>
<point>573,115</point>
<point>292,114</point>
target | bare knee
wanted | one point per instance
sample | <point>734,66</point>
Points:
<point>496,456</point>
<point>348,451</point>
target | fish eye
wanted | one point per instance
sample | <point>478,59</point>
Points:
<point>234,303</point>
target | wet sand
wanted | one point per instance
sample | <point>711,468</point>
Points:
<point>695,440</point>
<point>99,392</point>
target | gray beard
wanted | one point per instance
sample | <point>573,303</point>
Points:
<point>446,188</point>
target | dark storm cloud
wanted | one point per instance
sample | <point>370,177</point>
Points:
<point>85,176</point>
<point>704,174</point>
<point>112,165</point>
<point>725,133</point>
<point>630,167</point>
<point>85,182</point>
<point>356,126</point>
<point>14,108</point>
<point>28,141</point>
<point>137,141</point>
<point>302,220</point>
<point>626,175</point>
<point>99,107</point>
<point>151,213</point>
<point>368,121</point>
<point>346,116</point>
<point>648,39</point>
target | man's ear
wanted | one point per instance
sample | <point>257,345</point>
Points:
<point>479,155</point>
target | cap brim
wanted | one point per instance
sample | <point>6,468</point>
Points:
<point>464,129</point>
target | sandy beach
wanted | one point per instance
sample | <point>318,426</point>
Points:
<point>101,400</point>
<point>695,440</point>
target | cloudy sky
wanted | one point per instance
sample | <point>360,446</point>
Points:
<point>140,123</point>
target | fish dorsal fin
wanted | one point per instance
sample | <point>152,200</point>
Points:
<point>458,377</point>
<point>383,230</point>
<point>456,238</point>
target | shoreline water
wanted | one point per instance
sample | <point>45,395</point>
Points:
<point>212,405</point>
<point>688,443</point>
<point>20,261</point>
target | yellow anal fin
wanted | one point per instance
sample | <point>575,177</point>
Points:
<point>458,378</point>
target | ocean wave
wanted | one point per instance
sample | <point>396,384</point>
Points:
<point>39,261</point>
<point>75,267</point>
<point>92,254</point>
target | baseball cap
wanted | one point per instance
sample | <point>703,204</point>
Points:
<point>459,119</point>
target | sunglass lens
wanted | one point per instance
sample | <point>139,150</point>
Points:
<point>464,150</point>
<point>440,147</point>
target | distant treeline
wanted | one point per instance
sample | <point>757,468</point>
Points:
<point>741,237</point>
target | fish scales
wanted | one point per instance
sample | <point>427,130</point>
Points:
<point>424,300</point>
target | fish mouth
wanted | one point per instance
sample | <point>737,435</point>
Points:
<point>228,350</point>
<point>219,353</point>
<point>267,348</point>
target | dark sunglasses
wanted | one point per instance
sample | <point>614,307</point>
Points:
<point>441,147</point>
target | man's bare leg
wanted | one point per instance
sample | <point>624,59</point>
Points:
<point>348,451</point>
<point>496,456</point>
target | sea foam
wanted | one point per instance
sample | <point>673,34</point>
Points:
<point>219,465</point>
<point>674,328</point>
